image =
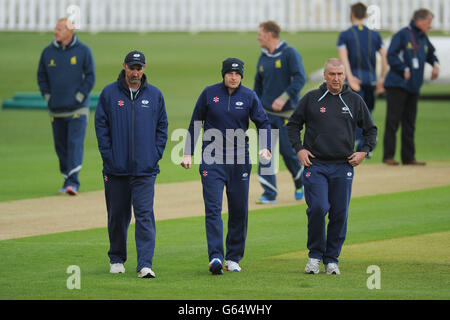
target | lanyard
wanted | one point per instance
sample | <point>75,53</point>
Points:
<point>413,42</point>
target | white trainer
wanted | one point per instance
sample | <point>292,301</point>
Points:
<point>332,268</point>
<point>313,265</point>
<point>116,268</point>
<point>146,273</point>
<point>232,266</point>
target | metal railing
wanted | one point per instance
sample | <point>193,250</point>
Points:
<point>210,15</point>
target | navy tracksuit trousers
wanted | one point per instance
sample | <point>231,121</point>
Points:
<point>68,137</point>
<point>122,193</point>
<point>367,92</point>
<point>236,179</point>
<point>328,189</point>
<point>269,182</point>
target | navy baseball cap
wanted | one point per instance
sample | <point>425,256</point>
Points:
<point>135,57</point>
<point>233,64</point>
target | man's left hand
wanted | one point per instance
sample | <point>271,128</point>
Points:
<point>356,158</point>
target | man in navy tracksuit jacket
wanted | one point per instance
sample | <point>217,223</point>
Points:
<point>66,75</point>
<point>408,52</point>
<point>331,115</point>
<point>131,127</point>
<point>279,78</point>
<point>224,110</point>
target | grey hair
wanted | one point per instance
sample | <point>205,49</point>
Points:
<point>335,62</point>
<point>422,14</point>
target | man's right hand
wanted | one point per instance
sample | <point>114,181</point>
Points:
<point>187,162</point>
<point>303,155</point>
<point>380,86</point>
<point>435,73</point>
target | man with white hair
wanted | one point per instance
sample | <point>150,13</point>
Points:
<point>330,115</point>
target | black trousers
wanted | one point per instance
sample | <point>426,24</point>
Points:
<point>401,109</point>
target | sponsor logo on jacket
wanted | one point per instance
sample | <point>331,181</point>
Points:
<point>239,105</point>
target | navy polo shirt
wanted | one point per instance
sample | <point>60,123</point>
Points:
<point>362,44</point>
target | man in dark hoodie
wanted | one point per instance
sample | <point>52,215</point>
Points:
<point>331,115</point>
<point>66,76</point>
<point>131,127</point>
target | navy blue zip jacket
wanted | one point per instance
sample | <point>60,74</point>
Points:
<point>217,109</point>
<point>331,121</point>
<point>280,72</point>
<point>64,71</point>
<point>131,128</point>
<point>401,51</point>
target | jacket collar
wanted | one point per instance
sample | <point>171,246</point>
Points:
<point>277,52</point>
<point>412,26</point>
<point>70,45</point>
<point>124,86</point>
<point>323,91</point>
<point>226,88</point>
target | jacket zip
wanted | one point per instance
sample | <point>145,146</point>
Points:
<point>229,98</point>
<point>133,165</point>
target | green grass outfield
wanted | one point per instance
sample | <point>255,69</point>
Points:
<point>181,64</point>
<point>406,235</point>
<point>29,166</point>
